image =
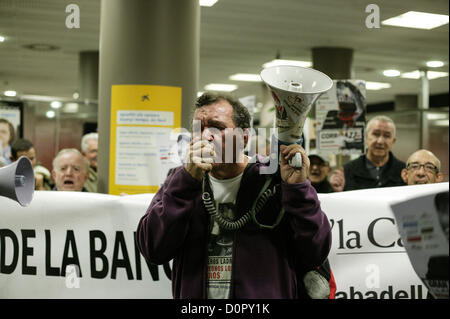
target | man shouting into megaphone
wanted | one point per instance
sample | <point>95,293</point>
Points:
<point>231,231</point>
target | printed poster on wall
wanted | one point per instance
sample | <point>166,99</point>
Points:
<point>142,119</point>
<point>341,118</point>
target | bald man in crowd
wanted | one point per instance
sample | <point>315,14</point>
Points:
<point>422,167</point>
<point>70,170</point>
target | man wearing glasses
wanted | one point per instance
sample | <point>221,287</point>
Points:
<point>422,167</point>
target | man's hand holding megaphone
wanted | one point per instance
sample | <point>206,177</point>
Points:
<point>200,158</point>
<point>290,174</point>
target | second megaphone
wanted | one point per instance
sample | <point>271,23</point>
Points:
<point>17,181</point>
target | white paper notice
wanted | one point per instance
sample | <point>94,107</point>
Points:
<point>145,117</point>
<point>138,156</point>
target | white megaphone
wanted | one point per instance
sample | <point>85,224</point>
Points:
<point>17,181</point>
<point>294,90</point>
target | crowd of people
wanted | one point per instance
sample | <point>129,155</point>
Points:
<point>71,170</point>
<point>209,202</point>
<point>378,167</point>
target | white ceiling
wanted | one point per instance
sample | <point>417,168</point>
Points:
<point>237,36</point>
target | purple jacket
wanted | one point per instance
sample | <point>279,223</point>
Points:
<point>175,226</point>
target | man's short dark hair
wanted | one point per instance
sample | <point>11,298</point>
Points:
<point>241,116</point>
<point>20,145</point>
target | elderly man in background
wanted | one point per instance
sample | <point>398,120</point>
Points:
<point>422,167</point>
<point>70,170</point>
<point>378,167</point>
<point>89,148</point>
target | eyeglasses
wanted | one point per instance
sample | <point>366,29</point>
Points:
<point>429,167</point>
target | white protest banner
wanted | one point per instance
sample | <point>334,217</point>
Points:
<point>367,256</point>
<point>423,225</point>
<point>81,245</point>
<point>94,232</point>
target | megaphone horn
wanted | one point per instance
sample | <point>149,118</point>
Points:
<point>17,181</point>
<point>294,90</point>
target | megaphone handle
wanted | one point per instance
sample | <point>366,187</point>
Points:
<point>296,161</point>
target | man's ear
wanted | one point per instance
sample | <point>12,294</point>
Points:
<point>246,136</point>
<point>53,175</point>
<point>404,174</point>
<point>439,177</point>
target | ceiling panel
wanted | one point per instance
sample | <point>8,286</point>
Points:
<point>236,37</point>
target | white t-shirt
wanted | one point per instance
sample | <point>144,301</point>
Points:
<point>220,246</point>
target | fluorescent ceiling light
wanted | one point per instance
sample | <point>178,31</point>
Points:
<point>221,87</point>
<point>277,62</point>
<point>10,93</point>
<point>43,98</point>
<point>56,104</point>
<point>430,74</point>
<point>207,3</point>
<point>70,108</point>
<point>435,64</point>
<point>441,123</point>
<point>436,116</point>
<point>246,77</point>
<point>50,114</point>
<point>2,39</point>
<point>411,75</point>
<point>417,20</point>
<point>375,86</point>
<point>391,73</point>
<point>435,74</point>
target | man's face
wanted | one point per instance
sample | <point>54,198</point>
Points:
<point>91,153</point>
<point>217,127</point>
<point>422,169</point>
<point>31,154</point>
<point>4,134</point>
<point>70,172</point>
<point>318,170</point>
<point>380,139</point>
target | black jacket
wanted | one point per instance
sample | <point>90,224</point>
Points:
<point>323,187</point>
<point>357,175</point>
